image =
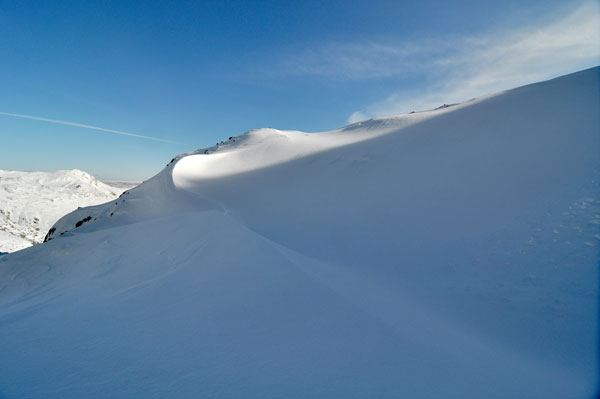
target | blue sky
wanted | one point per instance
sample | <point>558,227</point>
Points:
<point>198,72</point>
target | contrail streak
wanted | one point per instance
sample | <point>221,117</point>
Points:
<point>37,118</point>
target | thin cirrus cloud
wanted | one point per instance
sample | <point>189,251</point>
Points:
<point>502,61</point>
<point>457,69</point>
<point>366,60</point>
<point>74,124</point>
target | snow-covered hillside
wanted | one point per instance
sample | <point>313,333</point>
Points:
<point>447,253</point>
<point>31,202</point>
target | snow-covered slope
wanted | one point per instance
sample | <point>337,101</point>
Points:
<point>31,202</point>
<point>448,253</point>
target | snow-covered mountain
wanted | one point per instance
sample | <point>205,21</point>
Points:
<point>447,253</point>
<point>31,202</point>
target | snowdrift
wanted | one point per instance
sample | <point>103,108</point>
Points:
<point>447,253</point>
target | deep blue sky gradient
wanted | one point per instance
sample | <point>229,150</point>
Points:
<point>196,72</point>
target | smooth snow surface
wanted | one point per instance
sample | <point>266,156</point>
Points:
<point>449,253</point>
<point>31,202</point>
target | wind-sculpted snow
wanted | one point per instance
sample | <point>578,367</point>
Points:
<point>447,253</point>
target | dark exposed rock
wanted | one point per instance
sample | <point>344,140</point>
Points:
<point>49,234</point>
<point>82,221</point>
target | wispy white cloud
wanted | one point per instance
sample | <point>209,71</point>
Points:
<point>507,59</point>
<point>364,60</point>
<point>457,69</point>
<point>74,124</point>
